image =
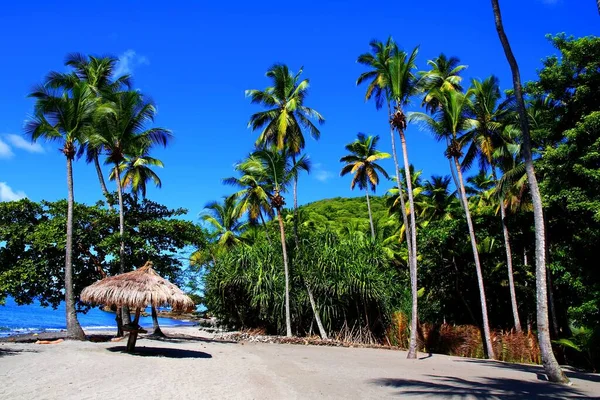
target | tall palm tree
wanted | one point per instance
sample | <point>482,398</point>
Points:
<point>555,374</point>
<point>67,117</point>
<point>137,172</point>
<point>444,74</point>
<point>98,74</point>
<point>286,118</point>
<point>390,79</point>
<point>450,122</point>
<point>492,117</point>
<point>276,170</point>
<point>124,131</point>
<point>377,60</point>
<point>223,218</point>
<point>402,84</point>
<point>362,163</point>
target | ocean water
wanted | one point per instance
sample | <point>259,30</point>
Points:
<point>33,318</point>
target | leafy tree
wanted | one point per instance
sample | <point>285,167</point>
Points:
<point>443,75</point>
<point>362,163</point>
<point>551,366</point>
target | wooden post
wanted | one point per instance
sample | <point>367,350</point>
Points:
<point>134,333</point>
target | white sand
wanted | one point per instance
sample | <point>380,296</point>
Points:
<point>205,369</point>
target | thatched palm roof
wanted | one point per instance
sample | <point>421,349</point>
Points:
<point>137,289</point>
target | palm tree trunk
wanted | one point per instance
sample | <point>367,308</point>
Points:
<point>288,320</point>
<point>551,304</point>
<point>74,330</point>
<point>370,214</point>
<point>156,327</point>
<point>412,347</point>
<point>296,239</point>
<point>486,325</point>
<point>125,309</point>
<point>399,182</point>
<point>313,305</point>
<point>551,366</point>
<point>101,178</point>
<point>509,265</point>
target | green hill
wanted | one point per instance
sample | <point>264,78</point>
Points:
<point>344,213</point>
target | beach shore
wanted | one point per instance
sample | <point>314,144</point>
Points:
<point>192,364</point>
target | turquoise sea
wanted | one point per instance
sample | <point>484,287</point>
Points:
<point>33,318</point>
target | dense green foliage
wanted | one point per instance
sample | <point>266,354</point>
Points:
<point>32,254</point>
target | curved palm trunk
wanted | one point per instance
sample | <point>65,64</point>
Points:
<point>313,305</point>
<point>296,238</point>
<point>74,330</point>
<point>126,319</point>
<point>288,320</point>
<point>399,182</point>
<point>486,324</point>
<point>156,331</point>
<point>370,214</point>
<point>509,265</point>
<point>101,178</point>
<point>412,347</point>
<point>551,366</point>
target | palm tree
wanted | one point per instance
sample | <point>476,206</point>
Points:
<point>403,85</point>
<point>377,77</point>
<point>449,122</point>
<point>441,201</point>
<point>97,73</point>
<point>492,118</point>
<point>551,366</point>
<point>391,79</point>
<point>224,219</point>
<point>276,170</point>
<point>252,198</point>
<point>286,117</point>
<point>136,170</point>
<point>123,131</point>
<point>65,116</point>
<point>444,74</point>
<point>362,163</point>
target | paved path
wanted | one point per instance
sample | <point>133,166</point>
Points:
<point>206,369</point>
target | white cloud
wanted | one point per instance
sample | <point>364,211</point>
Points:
<point>20,143</point>
<point>321,174</point>
<point>7,194</point>
<point>5,151</point>
<point>128,61</point>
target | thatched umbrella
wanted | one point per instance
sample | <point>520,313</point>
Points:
<point>137,289</point>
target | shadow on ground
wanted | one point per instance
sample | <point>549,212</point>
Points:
<point>184,338</point>
<point>167,352</point>
<point>13,352</point>
<point>538,370</point>
<point>483,388</point>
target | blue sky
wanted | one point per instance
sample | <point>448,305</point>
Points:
<point>196,59</point>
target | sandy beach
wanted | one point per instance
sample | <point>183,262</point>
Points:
<point>199,367</point>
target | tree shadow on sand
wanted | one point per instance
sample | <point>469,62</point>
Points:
<point>537,370</point>
<point>483,388</point>
<point>167,352</point>
<point>186,338</point>
<point>13,352</point>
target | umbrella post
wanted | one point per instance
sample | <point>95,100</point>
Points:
<point>134,333</point>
